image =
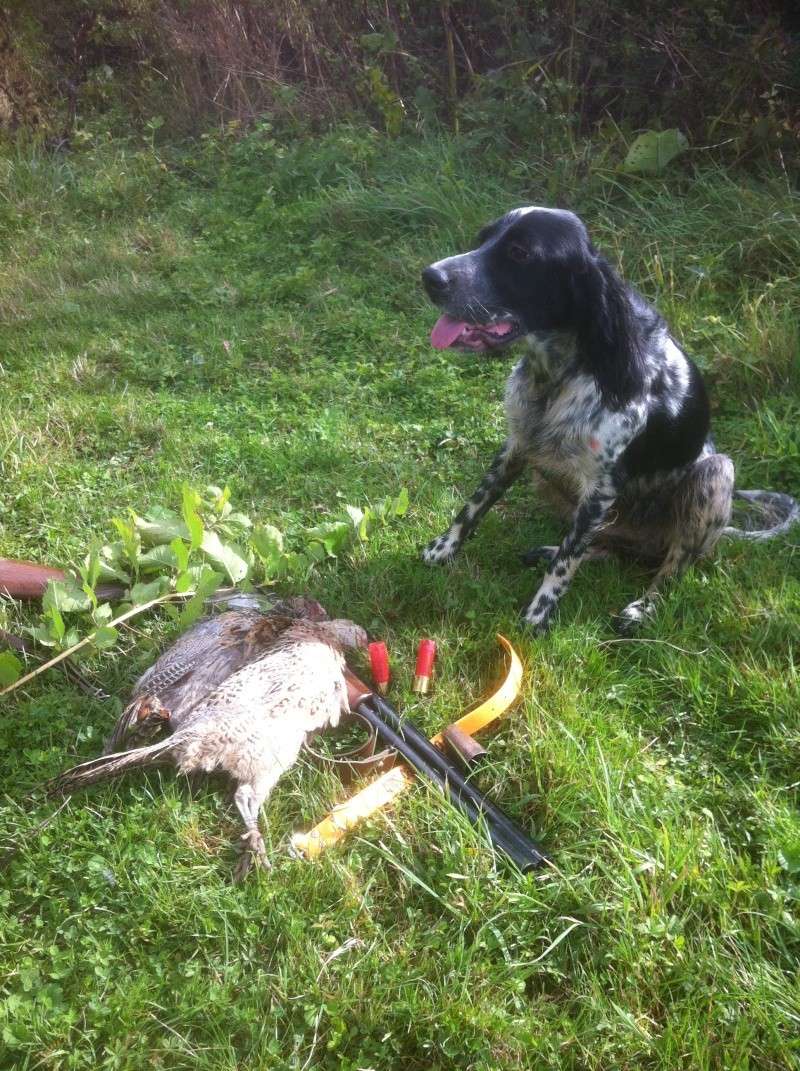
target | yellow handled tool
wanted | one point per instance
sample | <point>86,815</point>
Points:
<point>390,785</point>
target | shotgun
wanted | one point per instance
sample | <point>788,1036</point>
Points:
<point>428,760</point>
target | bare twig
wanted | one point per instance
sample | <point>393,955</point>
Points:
<point>452,80</point>
<point>643,639</point>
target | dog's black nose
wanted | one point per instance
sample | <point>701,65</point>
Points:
<point>435,281</point>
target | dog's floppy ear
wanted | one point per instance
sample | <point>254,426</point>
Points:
<point>607,337</point>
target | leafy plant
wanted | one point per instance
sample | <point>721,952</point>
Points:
<point>652,151</point>
<point>384,98</point>
<point>192,553</point>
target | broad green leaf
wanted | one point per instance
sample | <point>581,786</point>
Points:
<point>131,541</point>
<point>159,558</point>
<point>206,583</point>
<point>90,572</point>
<point>356,515</point>
<point>362,519</point>
<point>55,622</point>
<point>160,526</point>
<point>194,525</point>
<point>238,522</point>
<point>103,614</point>
<point>181,552</point>
<point>267,541</point>
<point>335,536</point>
<point>222,499</point>
<point>225,555</point>
<point>42,635</point>
<point>105,637</point>
<point>789,858</point>
<point>401,503</point>
<point>10,668</point>
<point>66,596</point>
<point>195,528</point>
<point>184,583</point>
<point>111,562</point>
<point>141,593</point>
<point>316,551</point>
<point>190,499</point>
<point>653,150</point>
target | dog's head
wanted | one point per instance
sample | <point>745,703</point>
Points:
<point>516,281</point>
<point>536,270</point>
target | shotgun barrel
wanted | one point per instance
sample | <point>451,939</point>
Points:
<point>496,819</point>
<point>428,760</point>
<point>510,846</point>
<point>465,749</point>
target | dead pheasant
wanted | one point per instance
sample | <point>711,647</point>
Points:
<point>253,725</point>
<point>197,663</point>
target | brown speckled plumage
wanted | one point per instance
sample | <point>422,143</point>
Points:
<point>253,725</point>
<point>197,663</point>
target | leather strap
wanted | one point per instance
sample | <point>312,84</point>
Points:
<point>357,761</point>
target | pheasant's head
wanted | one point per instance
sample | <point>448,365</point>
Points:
<point>341,633</point>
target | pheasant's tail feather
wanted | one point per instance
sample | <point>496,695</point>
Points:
<point>107,767</point>
<point>766,514</point>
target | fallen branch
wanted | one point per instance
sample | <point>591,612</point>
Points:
<point>133,612</point>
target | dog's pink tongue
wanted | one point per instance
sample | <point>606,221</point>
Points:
<point>445,331</point>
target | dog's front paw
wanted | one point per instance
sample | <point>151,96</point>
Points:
<point>441,550</point>
<point>538,615</point>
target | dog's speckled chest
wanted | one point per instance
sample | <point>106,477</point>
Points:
<point>556,417</point>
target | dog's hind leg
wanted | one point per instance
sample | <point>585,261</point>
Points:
<point>504,470</point>
<point>702,509</point>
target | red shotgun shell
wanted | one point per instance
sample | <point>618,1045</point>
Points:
<point>379,663</point>
<point>426,653</point>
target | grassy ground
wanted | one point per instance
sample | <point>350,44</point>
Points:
<point>248,313</point>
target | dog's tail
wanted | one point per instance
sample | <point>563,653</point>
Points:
<point>109,766</point>
<point>765,514</point>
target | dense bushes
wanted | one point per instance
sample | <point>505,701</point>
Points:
<point>722,71</point>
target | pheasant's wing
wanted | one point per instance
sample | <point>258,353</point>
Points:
<point>205,655</point>
<point>167,697</point>
<point>191,648</point>
<point>180,677</point>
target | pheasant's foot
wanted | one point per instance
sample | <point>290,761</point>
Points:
<point>254,854</point>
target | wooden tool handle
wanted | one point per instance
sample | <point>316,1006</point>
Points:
<point>26,580</point>
<point>29,580</point>
<point>357,691</point>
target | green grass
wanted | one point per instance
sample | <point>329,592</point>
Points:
<point>249,313</point>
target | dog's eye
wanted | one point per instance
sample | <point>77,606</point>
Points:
<point>519,253</point>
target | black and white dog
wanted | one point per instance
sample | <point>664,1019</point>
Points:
<point>604,407</point>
